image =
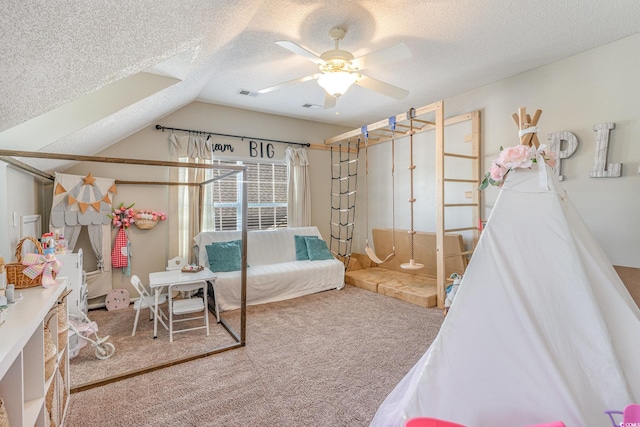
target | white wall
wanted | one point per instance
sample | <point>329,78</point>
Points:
<point>574,94</point>
<point>20,194</point>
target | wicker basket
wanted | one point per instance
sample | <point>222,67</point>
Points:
<point>145,224</point>
<point>4,417</point>
<point>50,353</point>
<point>61,311</point>
<point>15,273</point>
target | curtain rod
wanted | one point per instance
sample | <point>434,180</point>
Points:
<point>163,128</point>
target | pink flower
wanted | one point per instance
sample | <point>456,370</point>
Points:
<point>519,156</point>
<point>497,171</point>
<point>550,158</point>
<point>116,211</point>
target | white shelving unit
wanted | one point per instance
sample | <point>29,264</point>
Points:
<point>23,386</point>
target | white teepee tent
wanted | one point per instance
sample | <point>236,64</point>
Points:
<point>542,328</point>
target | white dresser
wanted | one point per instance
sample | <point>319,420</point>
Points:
<point>72,268</point>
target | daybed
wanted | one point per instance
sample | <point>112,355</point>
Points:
<point>414,286</point>
<point>276,271</point>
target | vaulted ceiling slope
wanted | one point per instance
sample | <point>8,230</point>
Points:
<point>77,77</point>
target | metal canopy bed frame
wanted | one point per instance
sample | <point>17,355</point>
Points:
<point>10,157</point>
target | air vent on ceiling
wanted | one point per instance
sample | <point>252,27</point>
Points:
<point>312,106</point>
<point>247,92</point>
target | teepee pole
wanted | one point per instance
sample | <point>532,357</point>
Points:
<point>524,121</point>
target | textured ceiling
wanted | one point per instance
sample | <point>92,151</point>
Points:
<point>55,53</point>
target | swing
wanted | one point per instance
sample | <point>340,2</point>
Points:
<point>411,265</point>
<point>370,253</point>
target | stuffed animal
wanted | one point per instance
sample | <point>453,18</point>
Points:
<point>451,291</point>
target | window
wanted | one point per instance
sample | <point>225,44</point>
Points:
<point>266,198</point>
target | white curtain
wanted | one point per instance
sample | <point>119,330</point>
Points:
<point>299,197</point>
<point>185,199</point>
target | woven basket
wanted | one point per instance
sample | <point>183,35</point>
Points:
<point>145,224</point>
<point>15,273</point>
<point>4,417</point>
<point>50,353</point>
<point>61,310</point>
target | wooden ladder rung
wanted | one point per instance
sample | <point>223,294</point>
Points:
<point>473,181</point>
<point>459,254</point>
<point>343,162</point>
<point>457,205</point>
<point>452,230</point>
<point>340,224</point>
<point>461,156</point>
<point>424,121</point>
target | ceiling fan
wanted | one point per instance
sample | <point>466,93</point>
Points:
<point>339,69</point>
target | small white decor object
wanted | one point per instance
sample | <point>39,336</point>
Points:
<point>117,299</point>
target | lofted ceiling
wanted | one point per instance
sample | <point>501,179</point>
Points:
<point>78,76</point>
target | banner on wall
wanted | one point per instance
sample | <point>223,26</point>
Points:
<point>207,146</point>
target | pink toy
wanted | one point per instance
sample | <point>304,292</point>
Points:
<point>553,424</point>
<point>430,422</point>
<point>630,416</point>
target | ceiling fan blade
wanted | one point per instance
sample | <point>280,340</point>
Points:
<point>329,101</point>
<point>299,50</point>
<point>290,82</point>
<point>392,53</point>
<point>382,87</point>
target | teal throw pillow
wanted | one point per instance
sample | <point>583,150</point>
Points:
<point>225,256</point>
<point>317,250</point>
<point>301,246</point>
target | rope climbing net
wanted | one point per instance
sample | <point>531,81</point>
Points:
<point>344,179</point>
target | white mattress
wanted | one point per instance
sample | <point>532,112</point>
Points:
<point>278,282</point>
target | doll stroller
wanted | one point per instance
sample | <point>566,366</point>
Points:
<point>82,331</point>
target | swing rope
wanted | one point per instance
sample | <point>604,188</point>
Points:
<point>370,253</point>
<point>411,265</point>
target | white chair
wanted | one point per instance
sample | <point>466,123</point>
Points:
<point>176,263</point>
<point>188,306</point>
<point>146,300</point>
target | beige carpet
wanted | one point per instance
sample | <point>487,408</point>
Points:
<point>327,359</point>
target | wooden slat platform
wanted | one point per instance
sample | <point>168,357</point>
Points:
<point>415,289</point>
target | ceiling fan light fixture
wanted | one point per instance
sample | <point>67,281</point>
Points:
<point>336,83</point>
